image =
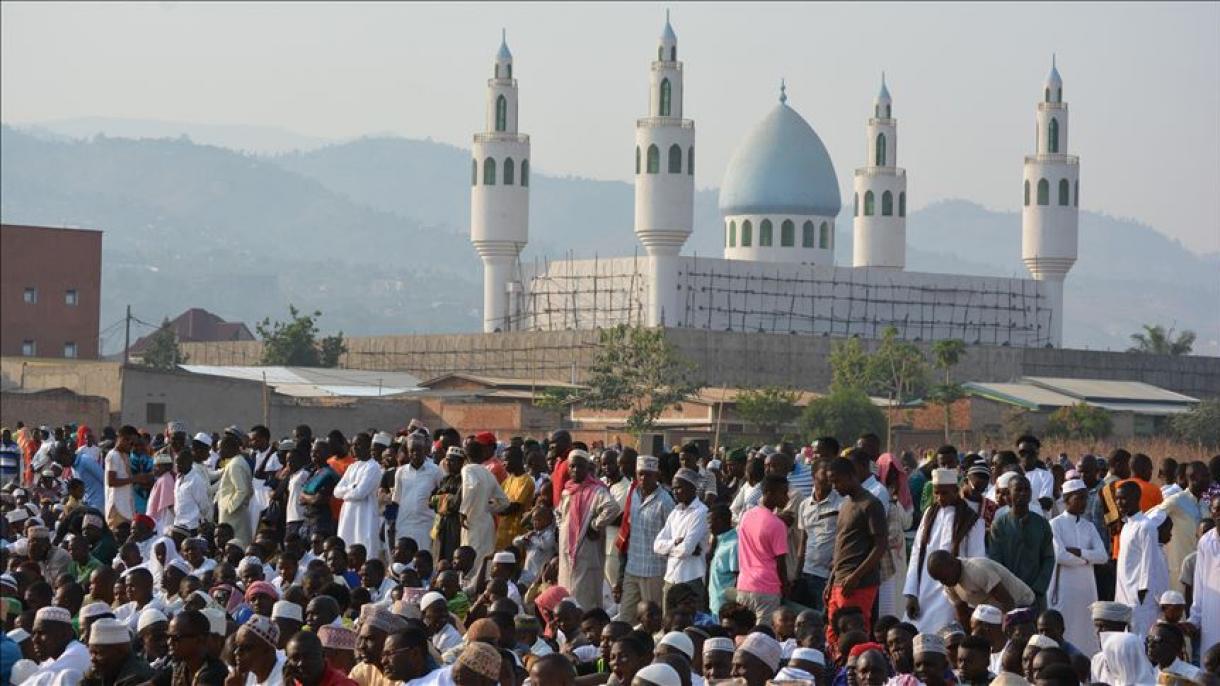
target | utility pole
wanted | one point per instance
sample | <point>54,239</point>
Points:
<point>127,338</point>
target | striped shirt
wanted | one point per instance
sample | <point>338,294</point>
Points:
<point>648,517</point>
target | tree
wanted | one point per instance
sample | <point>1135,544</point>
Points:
<point>845,412</point>
<point>768,408</point>
<point>1155,340</point>
<point>635,370</point>
<point>945,356</point>
<point>1201,425</point>
<point>162,351</point>
<point>849,366</point>
<point>897,368</point>
<point>295,343</point>
<point>1079,421</point>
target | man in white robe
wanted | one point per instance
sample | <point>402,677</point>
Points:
<point>1143,574</point>
<point>928,607</point>
<point>1073,588</point>
<point>360,518</point>
<point>414,483</point>
<point>481,498</point>
<point>585,510</point>
<point>235,490</point>
<point>1205,607</point>
<point>1184,511</point>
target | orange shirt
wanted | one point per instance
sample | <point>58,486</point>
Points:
<point>340,465</point>
<point>1150,497</point>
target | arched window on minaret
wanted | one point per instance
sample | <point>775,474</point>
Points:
<point>665,96</point>
<point>747,233</point>
<point>855,205</point>
<point>887,111</point>
<point>525,173</point>
<point>1027,192</point>
<point>807,235</point>
<point>510,70</point>
<point>824,236</point>
<point>660,53</point>
<point>1048,94</point>
<point>673,53</point>
<point>675,159</point>
<point>497,70</point>
<point>1044,192</point>
<point>902,204</point>
<point>1065,193</point>
<point>1076,194</point>
<point>887,204</point>
<point>501,113</point>
<point>654,160</point>
<point>868,203</point>
<point>1052,137</point>
<point>732,234</point>
<point>474,172</point>
<point>764,234</point>
<point>637,159</point>
<point>510,171</point>
<point>880,156</point>
<point>690,161</point>
<point>787,234</point>
<point>489,172</point>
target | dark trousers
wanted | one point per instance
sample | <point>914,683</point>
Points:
<point>1105,575</point>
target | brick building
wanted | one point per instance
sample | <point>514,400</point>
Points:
<point>50,291</point>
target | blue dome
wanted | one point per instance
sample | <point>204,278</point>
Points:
<point>781,167</point>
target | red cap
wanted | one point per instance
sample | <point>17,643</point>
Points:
<point>487,438</point>
<point>865,647</point>
<point>145,519</point>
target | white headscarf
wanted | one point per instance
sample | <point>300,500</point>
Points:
<point>171,554</point>
<point>1125,659</point>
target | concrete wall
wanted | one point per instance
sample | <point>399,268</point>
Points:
<point>726,358</point>
<point>53,407</point>
<point>86,377</point>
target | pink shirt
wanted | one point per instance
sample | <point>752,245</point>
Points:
<point>761,537</point>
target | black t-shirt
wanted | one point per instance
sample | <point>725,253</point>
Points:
<point>861,520</point>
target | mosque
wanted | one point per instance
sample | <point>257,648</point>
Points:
<point>779,202</point>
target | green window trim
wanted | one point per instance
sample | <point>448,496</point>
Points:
<point>764,234</point>
<point>1044,192</point>
<point>509,171</point>
<point>879,156</point>
<point>501,113</point>
<point>666,94</point>
<point>1052,138</point>
<point>902,204</point>
<point>489,172</point>
<point>868,203</point>
<point>525,173</point>
<point>747,233</point>
<point>654,160</point>
<point>474,172</point>
<point>732,234</point>
<point>787,234</point>
<point>690,161</point>
<point>675,159</point>
<point>1027,192</point>
<point>887,204</point>
<point>824,236</point>
<point>1065,193</point>
<point>637,159</point>
<point>807,240</point>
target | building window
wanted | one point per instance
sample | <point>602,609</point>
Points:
<point>637,159</point>
<point>764,234</point>
<point>868,203</point>
<point>510,70</point>
<point>887,204</point>
<point>1076,195</point>
<point>887,111</point>
<point>1065,193</point>
<point>29,348</point>
<point>732,234</point>
<point>525,173</point>
<point>489,172</point>
<point>31,296</point>
<point>807,235</point>
<point>787,234</point>
<point>474,172</point>
<point>855,205</point>
<point>1027,192</point>
<point>673,53</point>
<point>1044,192</point>
<point>880,154</point>
<point>1052,138</point>
<point>824,237</point>
<point>675,159</point>
<point>501,113</point>
<point>747,233</point>
<point>1048,95</point>
<point>510,171</point>
<point>690,161</point>
<point>69,349</point>
<point>902,204</point>
<point>654,160</point>
<point>70,297</point>
<point>665,96</point>
<point>154,413</point>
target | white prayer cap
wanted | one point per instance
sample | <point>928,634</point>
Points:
<point>929,643</point>
<point>647,463</point>
<point>429,598</point>
<point>720,644</point>
<point>989,614</point>
<point>95,610</point>
<point>38,532</point>
<point>713,465</point>
<point>9,580</point>
<point>680,642</point>
<point>204,438</point>
<point>688,475</point>
<point>216,620</point>
<point>1073,485</point>
<point>944,477</point>
<point>18,635</point>
<point>109,632</point>
<point>585,653</point>
<point>455,451</point>
<point>1040,641</point>
<point>17,516</point>
<point>809,655</point>
<point>163,458</point>
<point>1110,611</point>
<point>20,493</point>
<point>250,562</point>
<point>788,674</point>
<point>286,609</point>
<point>150,617</point>
<point>1172,598</point>
<point>53,614</point>
<point>659,674</point>
<point>504,557</point>
<point>383,439</point>
<point>764,648</point>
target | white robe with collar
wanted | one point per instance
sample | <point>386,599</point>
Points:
<point>935,610</point>
<point>1073,588</point>
<point>360,518</point>
<point>1141,566</point>
<point>1205,608</point>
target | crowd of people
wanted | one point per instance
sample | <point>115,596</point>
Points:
<point>425,557</point>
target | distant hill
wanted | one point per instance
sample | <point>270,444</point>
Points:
<point>373,233</point>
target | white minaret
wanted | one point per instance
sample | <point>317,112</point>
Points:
<point>1052,202</point>
<point>664,179</point>
<point>500,194</point>
<point>879,221</point>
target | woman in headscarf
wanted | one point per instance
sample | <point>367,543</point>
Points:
<point>163,552</point>
<point>1123,661</point>
<point>546,603</point>
<point>898,515</point>
<point>447,530</point>
<point>585,510</point>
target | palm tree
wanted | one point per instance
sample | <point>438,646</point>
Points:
<point>1156,340</point>
<point>946,354</point>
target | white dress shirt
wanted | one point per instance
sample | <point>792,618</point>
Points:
<point>684,533</point>
<point>191,500</point>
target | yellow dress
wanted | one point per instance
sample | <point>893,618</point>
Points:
<point>519,489</point>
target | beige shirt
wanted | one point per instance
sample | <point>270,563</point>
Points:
<point>979,576</point>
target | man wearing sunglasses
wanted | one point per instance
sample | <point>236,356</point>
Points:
<point>192,664</point>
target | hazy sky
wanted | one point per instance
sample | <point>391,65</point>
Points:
<point>1142,82</point>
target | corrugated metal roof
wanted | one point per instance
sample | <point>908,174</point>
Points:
<point>1026,395</point>
<point>1100,389</point>
<point>305,382</point>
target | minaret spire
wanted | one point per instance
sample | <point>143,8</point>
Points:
<point>783,91</point>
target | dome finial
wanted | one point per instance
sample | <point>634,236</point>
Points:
<point>783,91</point>
<point>1053,60</point>
<point>504,55</point>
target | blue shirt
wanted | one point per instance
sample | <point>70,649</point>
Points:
<point>10,462</point>
<point>10,652</point>
<point>723,573</point>
<point>93,474</point>
<point>140,464</point>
